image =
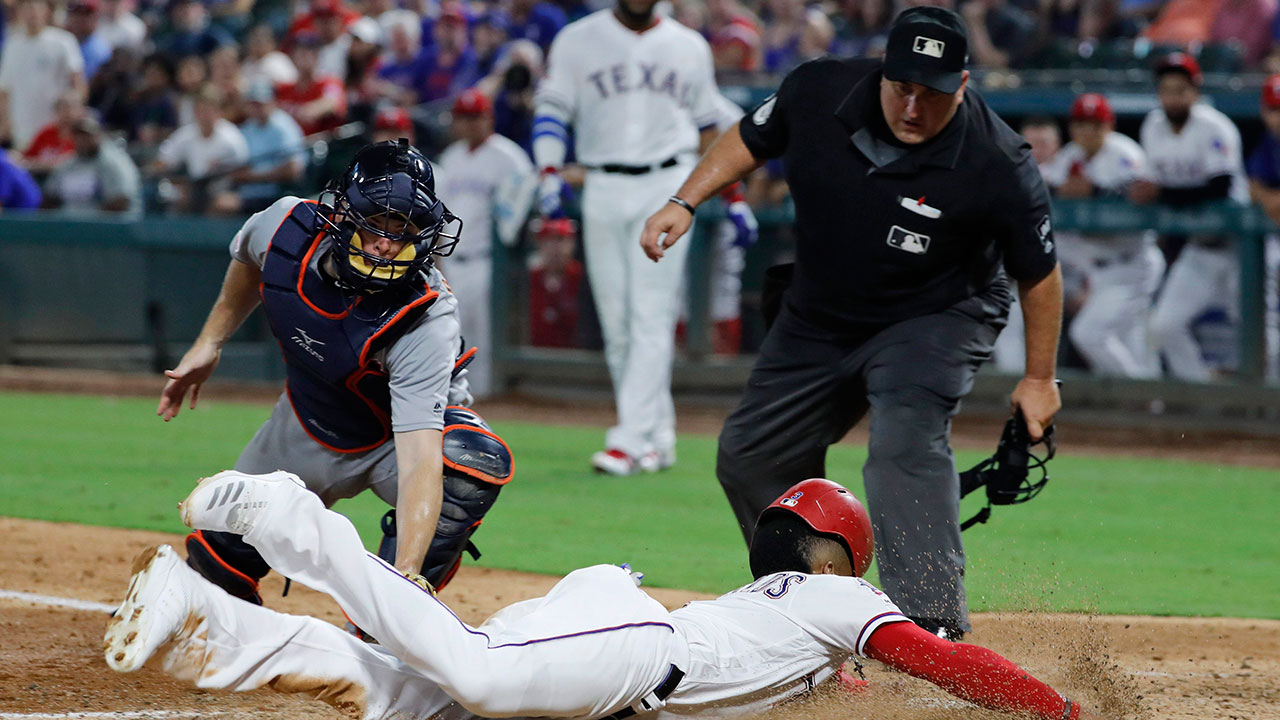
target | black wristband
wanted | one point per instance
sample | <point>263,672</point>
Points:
<point>681,202</point>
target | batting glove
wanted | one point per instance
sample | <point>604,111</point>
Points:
<point>551,194</point>
<point>746,229</point>
<point>636,577</point>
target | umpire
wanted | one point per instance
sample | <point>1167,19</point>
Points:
<point>914,206</point>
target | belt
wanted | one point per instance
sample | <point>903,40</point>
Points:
<point>661,693</point>
<point>639,169</point>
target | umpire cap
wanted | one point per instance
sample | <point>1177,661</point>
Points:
<point>829,509</point>
<point>927,45</point>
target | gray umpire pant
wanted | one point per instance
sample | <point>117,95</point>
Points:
<point>807,390</point>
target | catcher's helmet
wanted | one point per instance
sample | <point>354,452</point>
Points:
<point>830,509</point>
<point>388,190</point>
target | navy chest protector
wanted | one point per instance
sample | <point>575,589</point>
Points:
<point>338,390</point>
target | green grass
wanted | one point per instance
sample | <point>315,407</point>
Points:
<point>1114,535</point>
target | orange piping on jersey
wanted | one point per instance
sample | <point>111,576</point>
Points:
<point>430,296</point>
<point>472,472</point>
<point>302,274</point>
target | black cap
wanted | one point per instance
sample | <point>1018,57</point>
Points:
<point>927,45</point>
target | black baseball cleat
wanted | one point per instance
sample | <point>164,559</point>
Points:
<point>945,629</point>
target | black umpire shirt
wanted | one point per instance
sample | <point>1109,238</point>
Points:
<point>887,231</point>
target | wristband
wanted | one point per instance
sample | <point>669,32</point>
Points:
<point>681,202</point>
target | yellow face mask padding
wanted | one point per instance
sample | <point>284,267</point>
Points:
<point>382,272</point>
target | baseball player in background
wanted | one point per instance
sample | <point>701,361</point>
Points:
<point>596,646</point>
<point>640,94</point>
<point>1263,167</point>
<point>371,346</point>
<point>1124,269</point>
<point>1195,158</point>
<point>471,172</point>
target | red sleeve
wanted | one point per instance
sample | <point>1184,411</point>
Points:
<point>973,673</point>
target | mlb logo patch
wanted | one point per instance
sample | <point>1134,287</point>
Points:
<point>792,501</point>
<point>904,239</point>
<point>928,46</point>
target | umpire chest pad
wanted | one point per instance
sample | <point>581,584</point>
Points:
<point>471,449</point>
<point>338,391</point>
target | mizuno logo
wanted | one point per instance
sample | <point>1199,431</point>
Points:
<point>308,343</point>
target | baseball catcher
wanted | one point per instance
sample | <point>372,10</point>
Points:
<point>596,646</point>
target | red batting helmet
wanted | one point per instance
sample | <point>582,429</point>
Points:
<point>830,509</point>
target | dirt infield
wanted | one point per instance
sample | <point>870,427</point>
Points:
<point>1137,667</point>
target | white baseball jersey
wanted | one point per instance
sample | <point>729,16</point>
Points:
<point>633,98</point>
<point>1116,165</point>
<point>468,179</point>
<point>1207,146</point>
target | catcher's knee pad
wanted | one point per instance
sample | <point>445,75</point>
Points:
<point>477,463</point>
<point>227,561</point>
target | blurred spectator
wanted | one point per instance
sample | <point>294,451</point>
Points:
<point>815,37</point>
<point>364,50</point>
<point>489,35</point>
<point>1124,269</point>
<point>82,22</point>
<point>555,280</point>
<point>201,154</point>
<point>1183,22</point>
<point>100,176</point>
<point>472,173</point>
<point>536,20</point>
<point>153,109</point>
<point>734,34</point>
<point>1246,23</point>
<point>1000,35</point>
<point>119,27</point>
<point>18,190</point>
<point>191,33</point>
<point>449,65</point>
<point>784,22</point>
<point>393,123</point>
<point>513,102</point>
<point>224,74</point>
<point>39,63</point>
<point>54,144</point>
<point>1195,155</point>
<point>332,26</point>
<point>113,86</point>
<point>305,23</point>
<point>189,78</point>
<point>1102,20</point>
<point>275,154</point>
<point>1263,165</point>
<point>263,61</point>
<point>317,102</point>
<point>1045,138</point>
<point>402,64</point>
<point>862,28</point>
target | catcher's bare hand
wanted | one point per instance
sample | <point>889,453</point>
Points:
<point>663,229</point>
<point>194,369</point>
<point>1039,401</point>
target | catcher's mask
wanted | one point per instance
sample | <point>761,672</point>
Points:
<point>1005,474</point>
<point>830,509</point>
<point>388,191</point>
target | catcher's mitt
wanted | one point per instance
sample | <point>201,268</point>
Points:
<point>1004,474</point>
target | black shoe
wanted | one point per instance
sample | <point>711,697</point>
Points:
<point>945,629</point>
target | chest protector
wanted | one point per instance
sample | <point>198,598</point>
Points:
<point>339,392</point>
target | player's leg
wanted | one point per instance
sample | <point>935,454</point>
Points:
<point>470,280</point>
<point>798,400</point>
<point>200,634</point>
<point>1103,329</point>
<point>646,410</point>
<point>1186,293</point>
<point>594,646</point>
<point>916,373</point>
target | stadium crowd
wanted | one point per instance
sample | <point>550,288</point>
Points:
<point>219,106</point>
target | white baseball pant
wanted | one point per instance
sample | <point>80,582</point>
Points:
<point>637,301</point>
<point>1110,330</point>
<point>471,279</point>
<point>1201,277</point>
<point>594,644</point>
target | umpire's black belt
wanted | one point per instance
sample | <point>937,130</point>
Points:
<point>662,692</point>
<point>638,169</point>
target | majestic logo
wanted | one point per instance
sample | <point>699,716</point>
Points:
<point>928,46</point>
<point>762,113</point>
<point>1043,228</point>
<point>793,500</point>
<point>307,343</point>
<point>904,239</point>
